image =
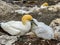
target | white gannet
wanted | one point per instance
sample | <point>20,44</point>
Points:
<point>42,30</point>
<point>18,27</point>
<point>44,5</point>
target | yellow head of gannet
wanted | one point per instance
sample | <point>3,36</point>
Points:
<point>26,18</point>
<point>45,4</point>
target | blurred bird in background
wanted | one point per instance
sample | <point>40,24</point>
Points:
<point>44,5</point>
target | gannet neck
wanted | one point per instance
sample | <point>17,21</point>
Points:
<point>35,21</point>
<point>27,25</point>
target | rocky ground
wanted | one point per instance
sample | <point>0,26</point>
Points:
<point>7,13</point>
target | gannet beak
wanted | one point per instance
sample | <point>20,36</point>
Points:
<point>33,22</point>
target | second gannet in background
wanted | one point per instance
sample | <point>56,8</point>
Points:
<point>42,30</point>
<point>18,27</point>
<point>44,5</point>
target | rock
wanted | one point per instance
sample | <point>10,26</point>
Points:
<point>7,40</point>
<point>55,24</point>
<point>6,11</point>
<point>57,32</point>
<point>31,34</point>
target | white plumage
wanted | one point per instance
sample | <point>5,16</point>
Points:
<point>43,7</point>
<point>16,27</point>
<point>42,30</point>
